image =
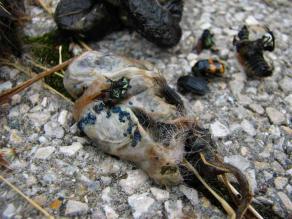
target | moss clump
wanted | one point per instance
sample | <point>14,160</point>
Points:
<point>56,82</point>
<point>45,49</point>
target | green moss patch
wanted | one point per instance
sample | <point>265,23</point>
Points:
<point>45,51</point>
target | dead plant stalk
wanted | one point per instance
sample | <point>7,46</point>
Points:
<point>4,97</point>
<point>33,203</point>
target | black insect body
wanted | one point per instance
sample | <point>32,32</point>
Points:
<point>158,23</point>
<point>250,53</point>
<point>208,67</point>
<point>206,41</point>
<point>171,96</point>
<point>119,88</point>
<point>243,34</point>
<point>196,85</point>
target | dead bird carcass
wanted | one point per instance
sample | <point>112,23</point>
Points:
<point>157,21</point>
<point>126,107</point>
<point>250,52</point>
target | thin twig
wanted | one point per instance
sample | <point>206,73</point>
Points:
<point>45,68</point>
<point>37,64</point>
<point>54,91</point>
<point>9,93</point>
<point>45,7</point>
<point>59,74</point>
<point>236,193</point>
<point>3,8</point>
<point>85,46</point>
<point>34,204</point>
<point>19,67</point>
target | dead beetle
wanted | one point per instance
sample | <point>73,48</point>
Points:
<point>196,85</point>
<point>208,67</point>
<point>206,41</point>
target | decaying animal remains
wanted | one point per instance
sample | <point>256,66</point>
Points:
<point>250,52</point>
<point>157,21</point>
<point>126,107</point>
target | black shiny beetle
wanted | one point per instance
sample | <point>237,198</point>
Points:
<point>208,67</point>
<point>206,41</point>
<point>119,88</point>
<point>195,85</point>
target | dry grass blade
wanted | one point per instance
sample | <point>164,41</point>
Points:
<point>40,66</point>
<point>34,204</point>
<point>54,91</point>
<point>85,46</point>
<point>4,97</point>
<point>4,9</point>
<point>15,64</point>
<point>236,194</point>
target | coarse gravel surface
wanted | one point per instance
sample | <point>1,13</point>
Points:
<point>250,120</point>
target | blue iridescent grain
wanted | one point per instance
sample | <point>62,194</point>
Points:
<point>122,114</point>
<point>99,107</point>
<point>123,117</point>
<point>130,127</point>
<point>136,138</point>
<point>89,119</point>
<point>108,114</point>
<point>116,109</point>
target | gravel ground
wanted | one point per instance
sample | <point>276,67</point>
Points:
<point>249,119</point>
